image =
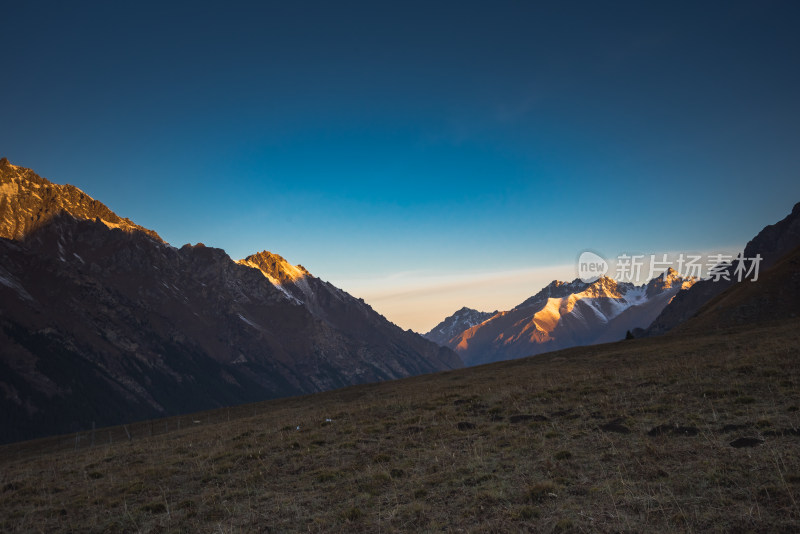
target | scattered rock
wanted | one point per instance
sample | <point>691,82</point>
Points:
<point>660,430</point>
<point>746,442</point>
<point>615,426</point>
<point>519,418</point>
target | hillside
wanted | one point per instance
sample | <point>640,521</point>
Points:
<point>671,434</point>
<point>773,297</point>
<point>772,243</point>
<point>102,322</point>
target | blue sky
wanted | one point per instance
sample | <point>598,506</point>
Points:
<point>399,148</point>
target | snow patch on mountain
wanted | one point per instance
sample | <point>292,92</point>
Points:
<point>9,281</point>
<point>566,314</point>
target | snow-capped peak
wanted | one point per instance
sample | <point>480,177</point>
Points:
<point>606,287</point>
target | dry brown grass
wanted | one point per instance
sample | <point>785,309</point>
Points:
<point>559,442</point>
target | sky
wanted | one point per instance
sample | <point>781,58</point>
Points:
<point>421,155</point>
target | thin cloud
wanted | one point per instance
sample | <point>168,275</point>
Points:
<point>419,299</point>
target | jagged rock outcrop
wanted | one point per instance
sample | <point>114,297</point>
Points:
<point>28,202</point>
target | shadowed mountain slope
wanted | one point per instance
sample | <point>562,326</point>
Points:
<point>774,296</point>
<point>771,243</point>
<point>106,323</point>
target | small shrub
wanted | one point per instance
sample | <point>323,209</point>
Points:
<point>563,525</point>
<point>396,473</point>
<point>381,478</point>
<point>526,512</point>
<point>352,514</point>
<point>154,508</point>
<point>541,491</point>
<point>563,455</point>
<point>326,476</point>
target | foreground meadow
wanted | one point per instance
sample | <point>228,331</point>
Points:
<point>696,433</point>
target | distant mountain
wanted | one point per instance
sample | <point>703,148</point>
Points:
<point>455,324</point>
<point>565,315</point>
<point>772,243</point>
<point>101,321</point>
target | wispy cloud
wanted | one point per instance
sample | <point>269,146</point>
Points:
<point>420,299</point>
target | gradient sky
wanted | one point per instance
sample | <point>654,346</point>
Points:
<point>422,155</point>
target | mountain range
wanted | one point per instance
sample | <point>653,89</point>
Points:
<point>570,314</point>
<point>565,314</point>
<point>103,322</point>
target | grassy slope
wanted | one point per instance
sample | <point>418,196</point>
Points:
<point>445,452</point>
